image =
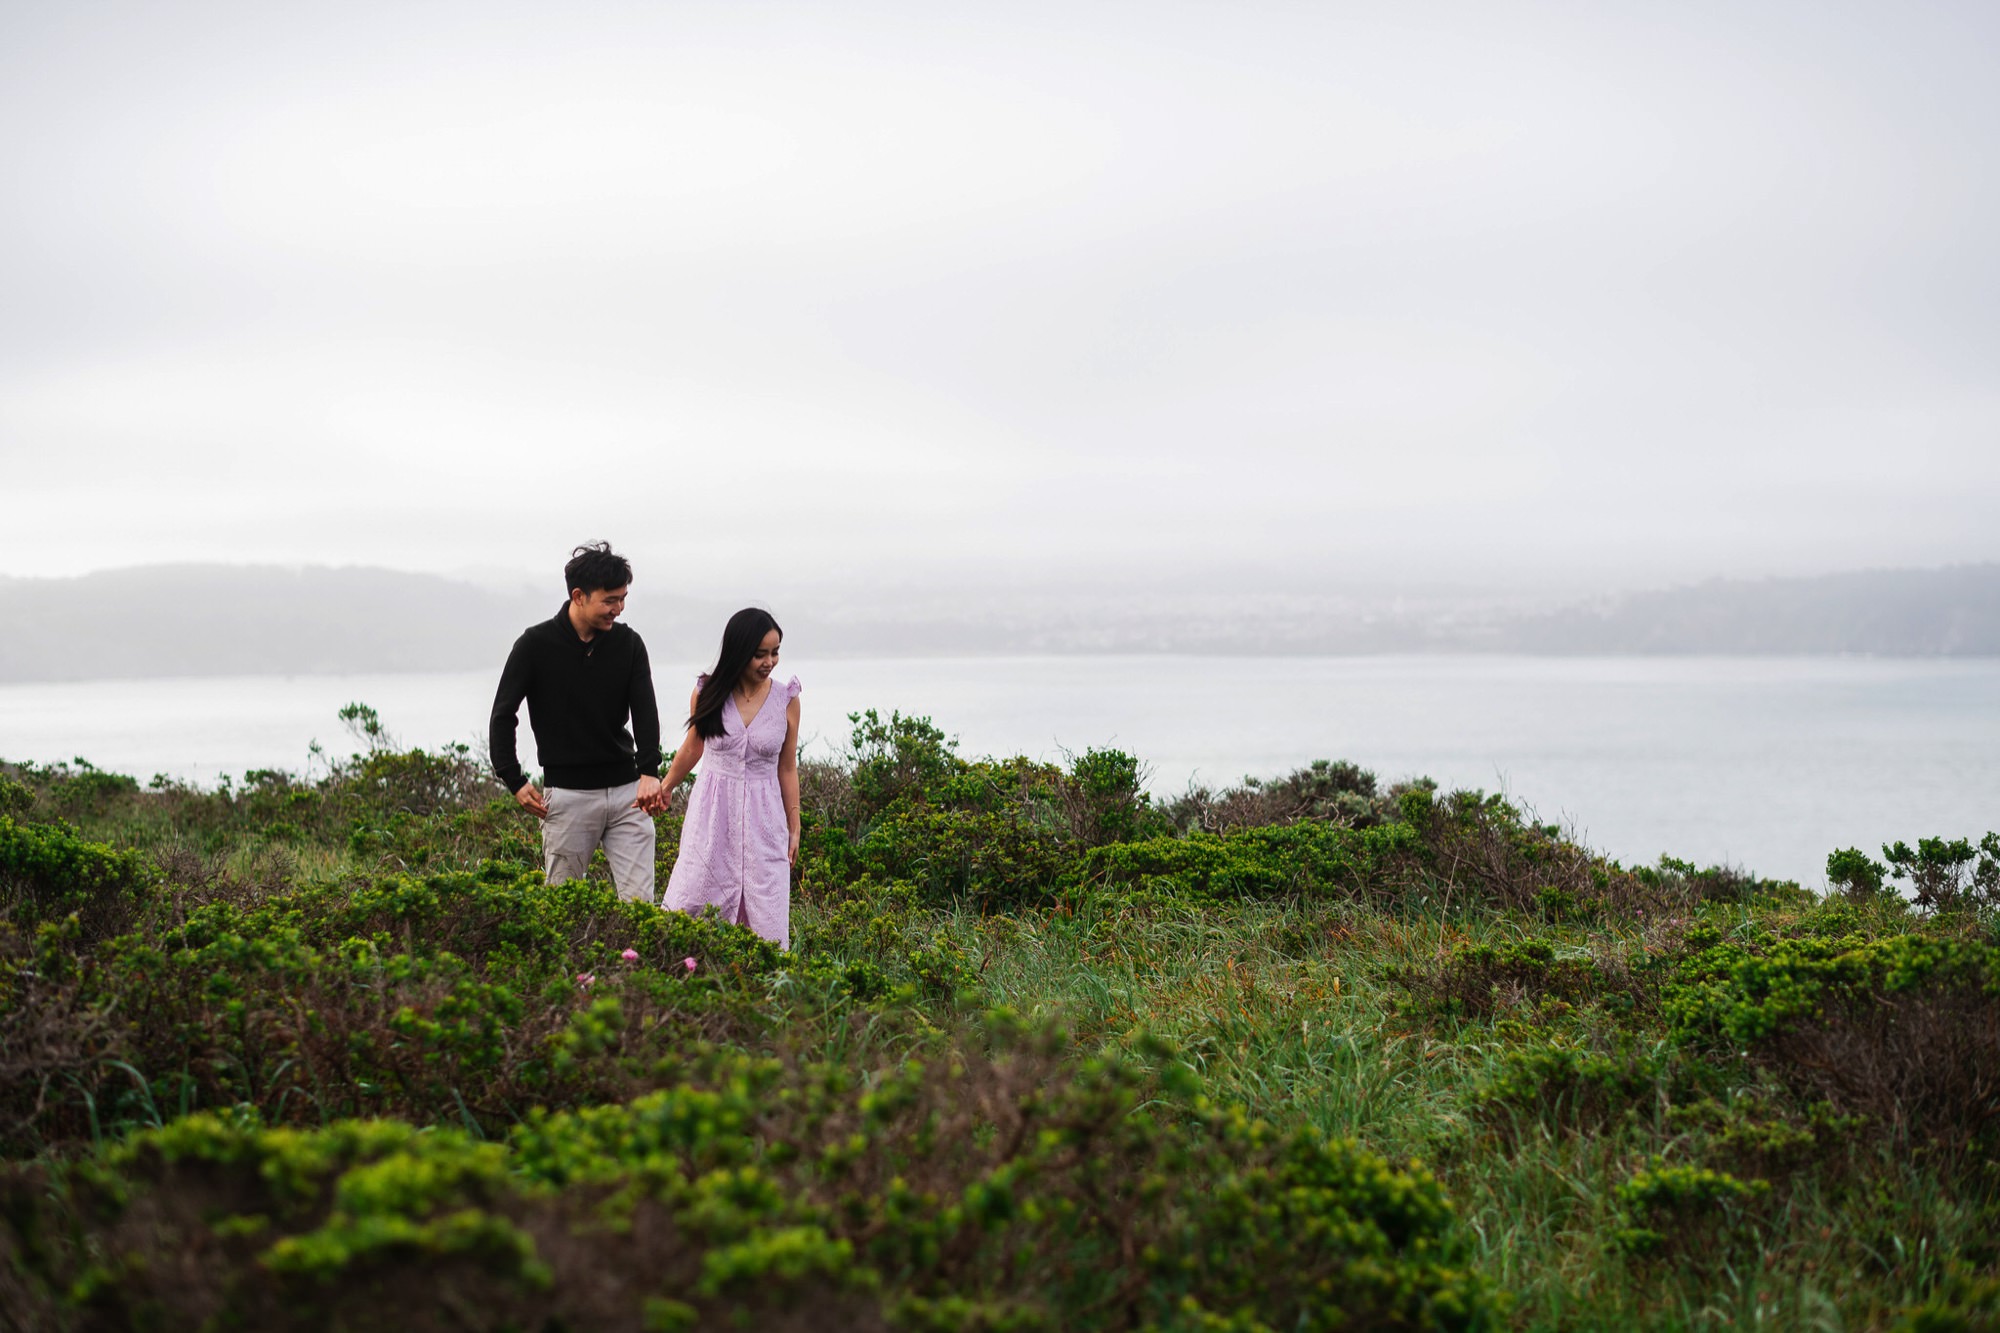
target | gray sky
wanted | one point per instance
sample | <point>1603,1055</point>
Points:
<point>1501,291</point>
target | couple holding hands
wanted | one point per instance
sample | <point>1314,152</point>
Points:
<point>585,677</point>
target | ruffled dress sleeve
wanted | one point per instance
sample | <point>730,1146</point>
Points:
<point>792,689</point>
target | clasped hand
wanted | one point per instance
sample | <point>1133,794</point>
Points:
<point>654,795</point>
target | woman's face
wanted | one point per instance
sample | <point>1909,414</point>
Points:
<point>764,661</point>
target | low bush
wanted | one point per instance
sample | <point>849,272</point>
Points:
<point>989,860</point>
<point>327,1052</point>
<point>1304,860</point>
<point>871,936</point>
<point>1949,875</point>
<point>1656,1090</point>
<point>1967,1304</point>
<point>963,1192</point>
<point>894,760</point>
<point>1687,1214</point>
<point>1904,1030</point>
<point>1945,875</point>
<point>49,873</point>
<point>1477,850</point>
<point>16,798</point>
<point>1750,1134</point>
<point>370,792</point>
<point>54,1037</point>
<point>458,998</point>
<point>1576,1089</point>
<point>1106,801</point>
<point>1854,873</point>
<point>1479,980</point>
<point>1339,793</point>
<point>1686,885</point>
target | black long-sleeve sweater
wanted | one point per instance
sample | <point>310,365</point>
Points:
<point>579,696</point>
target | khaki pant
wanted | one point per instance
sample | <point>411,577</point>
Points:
<point>580,821</point>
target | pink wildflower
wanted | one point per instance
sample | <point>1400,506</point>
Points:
<point>584,979</point>
<point>630,955</point>
<point>688,963</point>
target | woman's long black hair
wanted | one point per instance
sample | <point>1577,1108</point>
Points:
<point>740,639</point>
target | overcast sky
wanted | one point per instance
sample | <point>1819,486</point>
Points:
<point>1503,291</point>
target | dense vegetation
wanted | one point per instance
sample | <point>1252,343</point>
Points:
<point>1047,1053</point>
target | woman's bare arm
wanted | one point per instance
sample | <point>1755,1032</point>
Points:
<point>788,779</point>
<point>686,756</point>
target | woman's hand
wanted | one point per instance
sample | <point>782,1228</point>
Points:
<point>792,845</point>
<point>680,764</point>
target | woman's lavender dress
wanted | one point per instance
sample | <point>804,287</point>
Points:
<point>735,839</point>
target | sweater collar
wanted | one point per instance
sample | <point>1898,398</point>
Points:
<point>568,630</point>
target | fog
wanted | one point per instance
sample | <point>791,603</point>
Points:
<point>915,295</point>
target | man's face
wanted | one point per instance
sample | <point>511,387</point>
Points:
<point>600,609</point>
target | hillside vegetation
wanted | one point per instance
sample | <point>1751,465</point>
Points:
<point>1046,1054</point>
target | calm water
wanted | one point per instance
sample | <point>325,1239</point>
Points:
<point>1765,763</point>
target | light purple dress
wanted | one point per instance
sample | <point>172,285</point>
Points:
<point>734,839</point>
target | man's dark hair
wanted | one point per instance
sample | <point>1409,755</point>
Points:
<point>594,566</point>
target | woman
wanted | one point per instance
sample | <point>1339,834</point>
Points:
<point>741,834</point>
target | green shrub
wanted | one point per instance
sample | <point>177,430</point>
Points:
<point>1335,792</point>
<point>48,872</point>
<point>1688,1214</point>
<point>16,798</point>
<point>79,788</point>
<point>455,998</point>
<point>419,782</point>
<point>1945,876</point>
<point>1011,1191</point>
<point>1967,1304</point>
<point>897,758</point>
<point>1476,849</point>
<point>381,803</point>
<point>580,1139</point>
<point>1904,1030</point>
<point>1749,1134</point>
<point>1857,918</point>
<point>873,937</point>
<point>1298,860</point>
<point>1854,873</point>
<point>1713,884</point>
<point>1478,980</point>
<point>1574,1088</point>
<point>950,856</point>
<point>1109,803</point>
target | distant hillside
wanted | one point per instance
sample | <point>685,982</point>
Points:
<point>221,620</point>
<point>226,620</point>
<point>1953,612</point>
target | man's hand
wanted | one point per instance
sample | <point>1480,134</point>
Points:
<point>653,796</point>
<point>531,801</point>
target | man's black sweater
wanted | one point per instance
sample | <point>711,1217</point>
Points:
<point>579,695</point>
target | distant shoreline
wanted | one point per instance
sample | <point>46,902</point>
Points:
<point>208,621</point>
<point>1441,654</point>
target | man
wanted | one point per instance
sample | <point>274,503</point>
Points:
<point>583,675</point>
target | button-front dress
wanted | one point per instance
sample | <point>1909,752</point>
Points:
<point>734,839</point>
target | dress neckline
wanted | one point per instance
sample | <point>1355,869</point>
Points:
<point>747,723</point>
